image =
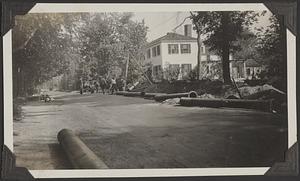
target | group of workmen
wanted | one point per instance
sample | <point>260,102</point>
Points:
<point>104,85</point>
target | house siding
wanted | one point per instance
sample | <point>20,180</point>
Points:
<point>157,60</point>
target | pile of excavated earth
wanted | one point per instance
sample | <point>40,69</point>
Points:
<point>214,94</point>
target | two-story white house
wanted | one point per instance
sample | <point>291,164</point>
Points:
<point>176,51</point>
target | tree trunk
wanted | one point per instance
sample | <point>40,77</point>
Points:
<point>225,63</point>
<point>225,48</point>
<point>199,55</point>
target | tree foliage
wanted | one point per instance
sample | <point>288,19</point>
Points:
<point>247,43</point>
<point>222,29</point>
<point>271,46</point>
<point>108,40</point>
<point>44,46</point>
<point>39,47</point>
<point>171,72</point>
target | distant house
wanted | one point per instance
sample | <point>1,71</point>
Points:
<point>242,67</point>
<point>248,69</point>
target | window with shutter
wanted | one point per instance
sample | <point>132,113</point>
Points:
<point>173,48</point>
<point>158,50</point>
<point>154,52</point>
<point>185,48</point>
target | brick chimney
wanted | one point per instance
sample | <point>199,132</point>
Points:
<point>188,30</point>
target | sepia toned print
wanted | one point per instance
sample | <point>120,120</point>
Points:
<point>192,89</point>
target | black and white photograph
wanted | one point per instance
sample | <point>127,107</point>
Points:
<point>178,89</point>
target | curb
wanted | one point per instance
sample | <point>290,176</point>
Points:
<point>159,97</point>
<point>78,153</point>
<point>152,95</point>
<point>262,105</point>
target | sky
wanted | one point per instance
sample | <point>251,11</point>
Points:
<point>160,23</point>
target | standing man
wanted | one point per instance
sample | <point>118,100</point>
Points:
<point>123,82</point>
<point>96,86</point>
<point>119,84</point>
<point>103,84</point>
<point>113,85</point>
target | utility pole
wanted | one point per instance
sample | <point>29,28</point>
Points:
<point>126,69</point>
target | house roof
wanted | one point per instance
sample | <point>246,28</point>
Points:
<point>172,37</point>
<point>249,63</point>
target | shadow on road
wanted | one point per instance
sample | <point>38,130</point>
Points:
<point>58,157</point>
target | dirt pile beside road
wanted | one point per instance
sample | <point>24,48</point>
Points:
<point>212,89</point>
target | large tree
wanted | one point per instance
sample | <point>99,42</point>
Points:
<point>108,41</point>
<point>222,29</point>
<point>39,46</point>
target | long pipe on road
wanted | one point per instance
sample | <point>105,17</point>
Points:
<point>130,94</point>
<point>145,95</point>
<point>78,153</point>
<point>263,105</point>
<point>157,96</point>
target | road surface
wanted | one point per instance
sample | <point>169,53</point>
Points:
<point>127,132</point>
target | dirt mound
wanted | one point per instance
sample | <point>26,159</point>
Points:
<point>249,90</point>
<point>212,89</point>
<point>173,101</point>
<point>207,96</point>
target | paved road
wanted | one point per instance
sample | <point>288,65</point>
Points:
<point>128,132</point>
